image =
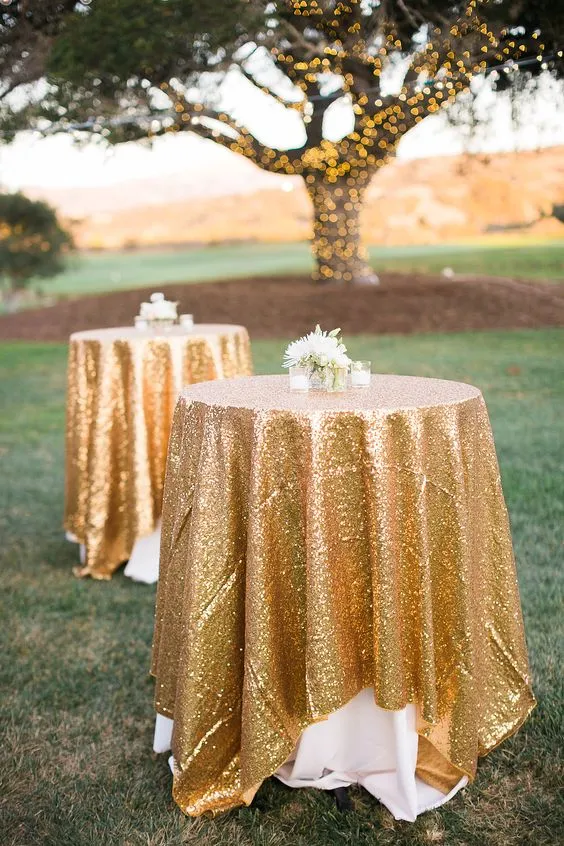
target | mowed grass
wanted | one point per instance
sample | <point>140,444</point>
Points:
<point>77,713</point>
<point>98,272</point>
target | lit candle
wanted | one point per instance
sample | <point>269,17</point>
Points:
<point>360,374</point>
<point>360,378</point>
<point>299,382</point>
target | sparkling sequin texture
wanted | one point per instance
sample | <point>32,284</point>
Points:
<point>315,545</point>
<point>122,389</point>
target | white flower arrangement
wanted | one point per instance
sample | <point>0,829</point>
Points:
<point>159,309</point>
<point>317,350</point>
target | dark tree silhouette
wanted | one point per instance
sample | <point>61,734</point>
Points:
<point>32,242</point>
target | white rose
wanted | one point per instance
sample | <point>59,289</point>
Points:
<point>342,360</point>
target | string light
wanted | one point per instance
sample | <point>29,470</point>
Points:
<point>337,173</point>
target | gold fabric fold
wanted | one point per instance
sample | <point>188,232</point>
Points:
<point>122,389</point>
<point>315,545</point>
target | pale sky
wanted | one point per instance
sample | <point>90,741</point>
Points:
<point>57,162</point>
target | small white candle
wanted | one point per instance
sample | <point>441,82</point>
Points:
<point>360,378</point>
<point>187,320</point>
<point>299,382</point>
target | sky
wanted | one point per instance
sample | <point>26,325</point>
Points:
<point>57,162</point>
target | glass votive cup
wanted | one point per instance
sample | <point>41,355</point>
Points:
<point>360,374</point>
<point>141,323</point>
<point>186,321</point>
<point>299,378</point>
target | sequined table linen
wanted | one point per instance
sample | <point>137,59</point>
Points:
<point>122,389</point>
<point>317,545</point>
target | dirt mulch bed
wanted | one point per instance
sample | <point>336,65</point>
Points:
<point>285,307</point>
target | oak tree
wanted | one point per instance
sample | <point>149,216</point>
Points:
<point>127,69</point>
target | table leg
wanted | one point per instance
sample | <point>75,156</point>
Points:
<point>342,799</point>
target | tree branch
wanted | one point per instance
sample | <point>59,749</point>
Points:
<point>267,158</point>
<point>265,89</point>
<point>310,50</point>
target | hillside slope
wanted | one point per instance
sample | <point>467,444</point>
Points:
<point>417,201</point>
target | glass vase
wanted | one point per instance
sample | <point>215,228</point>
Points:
<point>331,379</point>
<point>162,324</point>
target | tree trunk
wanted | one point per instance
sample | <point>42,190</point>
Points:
<point>336,244</point>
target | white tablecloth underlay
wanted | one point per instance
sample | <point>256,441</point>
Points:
<point>358,744</point>
<point>143,565</point>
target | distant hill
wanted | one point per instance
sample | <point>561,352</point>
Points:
<point>410,201</point>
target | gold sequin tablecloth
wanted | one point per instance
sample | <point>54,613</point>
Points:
<point>122,389</point>
<point>314,545</point>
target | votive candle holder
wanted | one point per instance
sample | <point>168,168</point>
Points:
<point>299,378</point>
<point>360,374</point>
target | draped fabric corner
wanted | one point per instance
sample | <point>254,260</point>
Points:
<point>316,546</point>
<point>122,389</point>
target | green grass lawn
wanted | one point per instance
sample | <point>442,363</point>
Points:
<point>77,714</point>
<point>97,272</point>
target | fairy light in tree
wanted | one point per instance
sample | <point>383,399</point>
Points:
<point>346,45</point>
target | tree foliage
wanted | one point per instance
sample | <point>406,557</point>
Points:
<point>32,241</point>
<point>27,31</point>
<point>127,69</point>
